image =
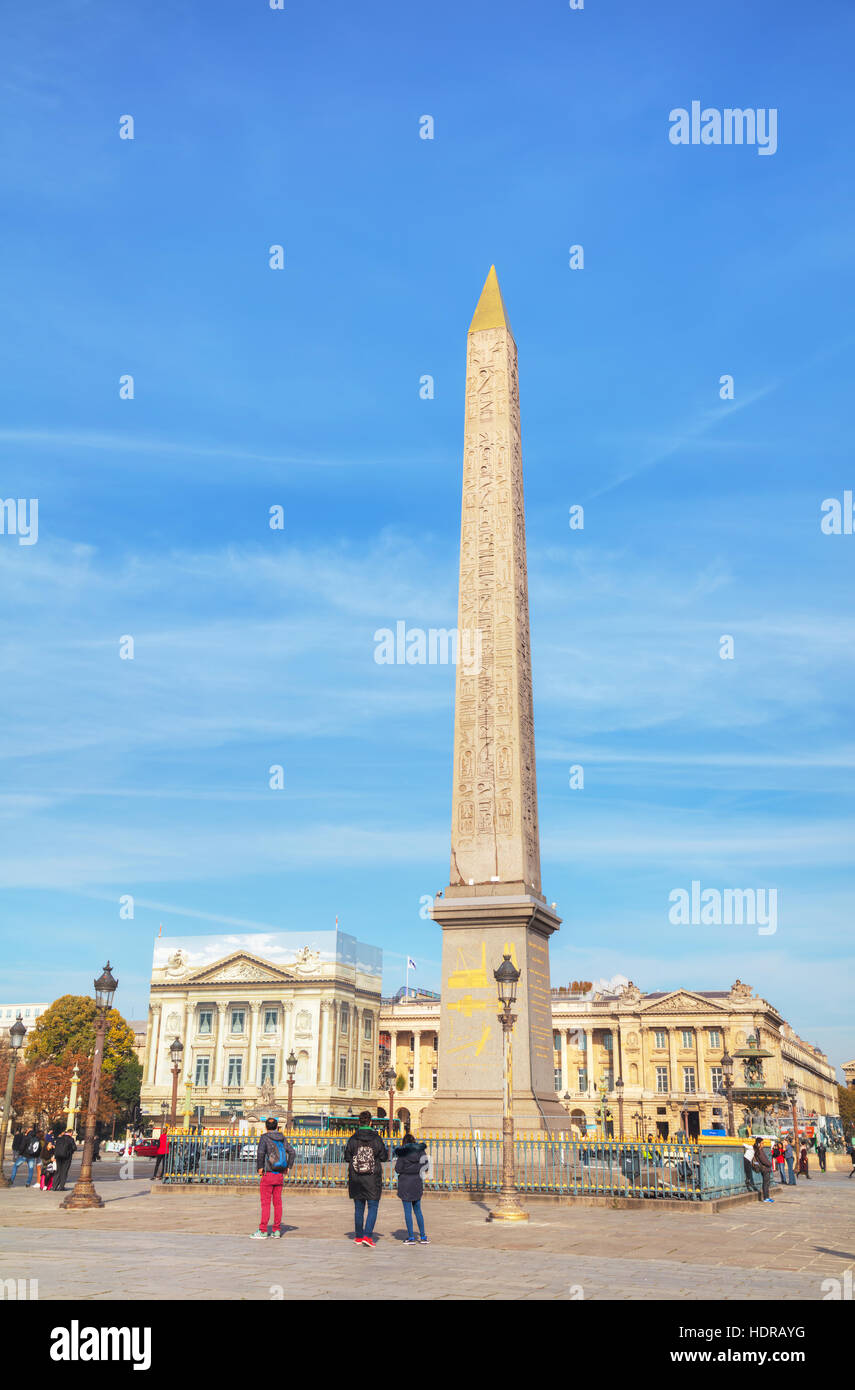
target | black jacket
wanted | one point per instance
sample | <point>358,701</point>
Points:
<point>762,1159</point>
<point>269,1151</point>
<point>364,1149</point>
<point>27,1141</point>
<point>18,1142</point>
<point>65,1147</point>
<point>410,1167</point>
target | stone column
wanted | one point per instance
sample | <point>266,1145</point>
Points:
<point>393,1049</point>
<point>154,1042</point>
<point>565,1060</point>
<point>285,1046</point>
<point>673,1074</point>
<point>323,1031</point>
<point>252,1051</point>
<point>589,1059</point>
<point>219,1068</point>
<point>701,1080</point>
<point>417,1047</point>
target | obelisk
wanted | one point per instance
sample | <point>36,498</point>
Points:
<point>493,903</point>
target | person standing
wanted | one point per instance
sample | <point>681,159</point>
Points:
<point>763,1164</point>
<point>65,1150</point>
<point>273,1159</point>
<point>820,1153</point>
<point>790,1157</point>
<point>748,1165</point>
<point>364,1154</point>
<point>96,1151</point>
<point>851,1152</point>
<point>803,1161</point>
<point>412,1167</point>
<point>779,1161</point>
<point>48,1164</point>
<point>30,1148</point>
<point>162,1151</point>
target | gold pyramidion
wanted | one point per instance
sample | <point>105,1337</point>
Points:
<point>491,311</point>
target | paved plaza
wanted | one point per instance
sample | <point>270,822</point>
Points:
<point>150,1244</point>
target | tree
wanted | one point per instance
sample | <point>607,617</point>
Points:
<point>127,1080</point>
<point>19,1088</point>
<point>67,1029</point>
<point>847,1108</point>
<point>49,1090</point>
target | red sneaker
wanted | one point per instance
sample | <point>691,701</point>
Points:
<point>358,1240</point>
<point>369,1240</point>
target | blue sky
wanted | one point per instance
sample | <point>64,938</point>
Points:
<point>301,387</point>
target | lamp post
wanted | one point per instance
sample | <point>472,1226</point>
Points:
<point>17,1034</point>
<point>727,1082</point>
<point>792,1092</point>
<point>188,1101</point>
<point>603,1091</point>
<point>176,1052</point>
<point>390,1076</point>
<point>291,1068</point>
<point>84,1194</point>
<point>508,1208</point>
<point>619,1089</point>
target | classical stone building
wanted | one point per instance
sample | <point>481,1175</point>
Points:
<point>665,1046</point>
<point>241,1003</point>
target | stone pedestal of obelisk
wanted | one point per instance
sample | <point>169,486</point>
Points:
<point>494,903</point>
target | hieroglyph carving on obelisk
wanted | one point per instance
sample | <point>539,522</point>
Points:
<point>494,835</point>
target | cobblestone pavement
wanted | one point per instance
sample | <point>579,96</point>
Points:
<point>147,1244</point>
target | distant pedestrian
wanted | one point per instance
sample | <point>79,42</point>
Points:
<point>748,1166</point>
<point>851,1152</point>
<point>763,1165</point>
<point>364,1154</point>
<point>96,1154</point>
<point>273,1159</point>
<point>790,1156</point>
<point>779,1161</point>
<point>412,1167</point>
<point>48,1163</point>
<point>162,1151</point>
<point>30,1148</point>
<point>65,1149</point>
<point>803,1161</point>
<point>820,1153</point>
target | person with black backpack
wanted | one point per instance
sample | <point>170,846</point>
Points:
<point>364,1154</point>
<point>65,1150</point>
<point>273,1159</point>
<point>31,1147</point>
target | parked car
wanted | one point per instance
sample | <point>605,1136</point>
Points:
<point>147,1149</point>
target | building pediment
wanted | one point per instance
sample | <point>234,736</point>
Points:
<point>240,968</point>
<point>681,1001</point>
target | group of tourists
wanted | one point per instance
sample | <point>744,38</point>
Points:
<point>782,1158</point>
<point>47,1156</point>
<point>364,1154</point>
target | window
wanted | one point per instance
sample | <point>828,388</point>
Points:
<point>687,1037</point>
<point>583,1078</point>
<point>238,1020</point>
<point>433,1078</point>
<point>688,1078</point>
<point>366,1076</point>
<point>271,1020</point>
<point>716,1075</point>
<point>203,1070</point>
<point>662,1080</point>
<point>205,1020</point>
<point>27,1013</point>
<point>607,1041</point>
<point>345,1012</point>
<point>268,1071</point>
<point>367,1027</point>
<point>342,1071</point>
<point>411,1076</point>
<point>235,1071</point>
<point>436,1042</point>
<point>557,1078</point>
<point>715,1038</point>
<point>556,1041</point>
<point>660,1038</point>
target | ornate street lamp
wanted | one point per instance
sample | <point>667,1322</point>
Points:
<point>17,1034</point>
<point>291,1069</point>
<point>727,1083</point>
<point>84,1194</point>
<point>792,1093</point>
<point>508,1209</point>
<point>390,1076</point>
<point>619,1089</point>
<point>176,1052</point>
<point>603,1091</point>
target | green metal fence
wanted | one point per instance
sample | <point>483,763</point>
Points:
<point>473,1163</point>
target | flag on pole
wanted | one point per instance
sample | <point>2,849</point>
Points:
<point>411,964</point>
<point>160,930</point>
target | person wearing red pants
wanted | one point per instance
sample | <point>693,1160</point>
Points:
<point>275,1156</point>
